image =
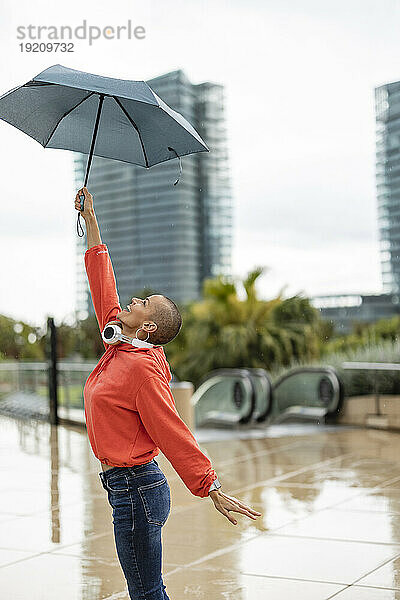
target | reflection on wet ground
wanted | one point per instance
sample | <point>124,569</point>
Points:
<point>330,524</point>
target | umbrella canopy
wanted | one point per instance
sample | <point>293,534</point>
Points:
<point>102,116</point>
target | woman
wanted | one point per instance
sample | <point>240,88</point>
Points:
<point>130,415</point>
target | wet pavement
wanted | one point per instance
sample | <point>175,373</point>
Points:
<point>330,524</point>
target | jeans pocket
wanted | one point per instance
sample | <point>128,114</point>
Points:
<point>156,500</point>
<point>115,484</point>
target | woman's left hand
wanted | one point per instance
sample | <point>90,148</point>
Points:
<point>225,504</point>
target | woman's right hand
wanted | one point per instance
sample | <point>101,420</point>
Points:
<point>226,504</point>
<point>88,208</point>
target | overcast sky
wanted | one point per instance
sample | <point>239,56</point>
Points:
<point>299,78</point>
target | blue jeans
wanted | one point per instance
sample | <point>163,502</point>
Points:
<point>141,501</point>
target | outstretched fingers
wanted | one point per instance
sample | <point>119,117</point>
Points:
<point>240,504</point>
<point>225,512</point>
<point>227,504</point>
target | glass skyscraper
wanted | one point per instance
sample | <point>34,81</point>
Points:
<point>387,107</point>
<point>162,237</point>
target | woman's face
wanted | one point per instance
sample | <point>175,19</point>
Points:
<point>139,313</point>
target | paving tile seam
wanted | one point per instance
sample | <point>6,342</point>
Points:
<point>329,539</point>
<point>284,577</point>
<point>329,507</point>
<point>13,562</point>
<point>377,587</point>
<point>233,547</point>
<point>308,486</point>
<point>383,485</point>
<point>177,569</point>
<point>386,486</point>
<point>260,453</point>
<point>93,557</point>
<point>50,550</point>
<point>336,594</point>
<point>394,480</point>
<point>308,516</point>
<point>292,578</point>
<point>219,552</point>
<point>284,476</point>
<point>373,587</point>
<point>42,511</point>
<point>379,566</point>
<point>366,510</point>
<point>363,493</point>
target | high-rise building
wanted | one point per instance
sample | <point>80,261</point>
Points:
<point>161,237</point>
<point>344,311</point>
<point>387,107</point>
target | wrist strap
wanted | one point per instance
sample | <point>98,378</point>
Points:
<point>79,223</point>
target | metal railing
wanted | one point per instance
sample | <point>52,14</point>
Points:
<point>25,389</point>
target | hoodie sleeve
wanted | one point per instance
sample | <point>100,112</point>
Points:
<point>102,285</point>
<point>156,408</point>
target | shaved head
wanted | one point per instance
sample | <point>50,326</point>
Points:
<point>168,319</point>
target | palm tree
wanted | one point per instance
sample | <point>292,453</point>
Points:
<point>223,331</point>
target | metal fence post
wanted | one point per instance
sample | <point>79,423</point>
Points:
<point>52,371</point>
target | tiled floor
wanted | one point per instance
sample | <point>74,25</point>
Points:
<point>330,523</point>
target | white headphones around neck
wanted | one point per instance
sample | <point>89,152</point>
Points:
<point>112,334</point>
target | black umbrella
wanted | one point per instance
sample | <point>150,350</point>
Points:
<point>102,116</point>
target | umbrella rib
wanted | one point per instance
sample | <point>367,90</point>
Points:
<point>132,122</point>
<point>37,83</point>
<point>65,114</point>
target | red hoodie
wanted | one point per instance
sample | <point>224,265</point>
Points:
<point>129,408</point>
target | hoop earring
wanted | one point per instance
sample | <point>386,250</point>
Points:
<point>148,335</point>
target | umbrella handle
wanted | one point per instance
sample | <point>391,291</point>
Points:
<point>78,223</point>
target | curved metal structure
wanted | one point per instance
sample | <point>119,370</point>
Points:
<point>237,396</point>
<point>264,403</point>
<point>308,392</point>
<point>225,397</point>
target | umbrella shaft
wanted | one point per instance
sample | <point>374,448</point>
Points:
<point>96,126</point>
